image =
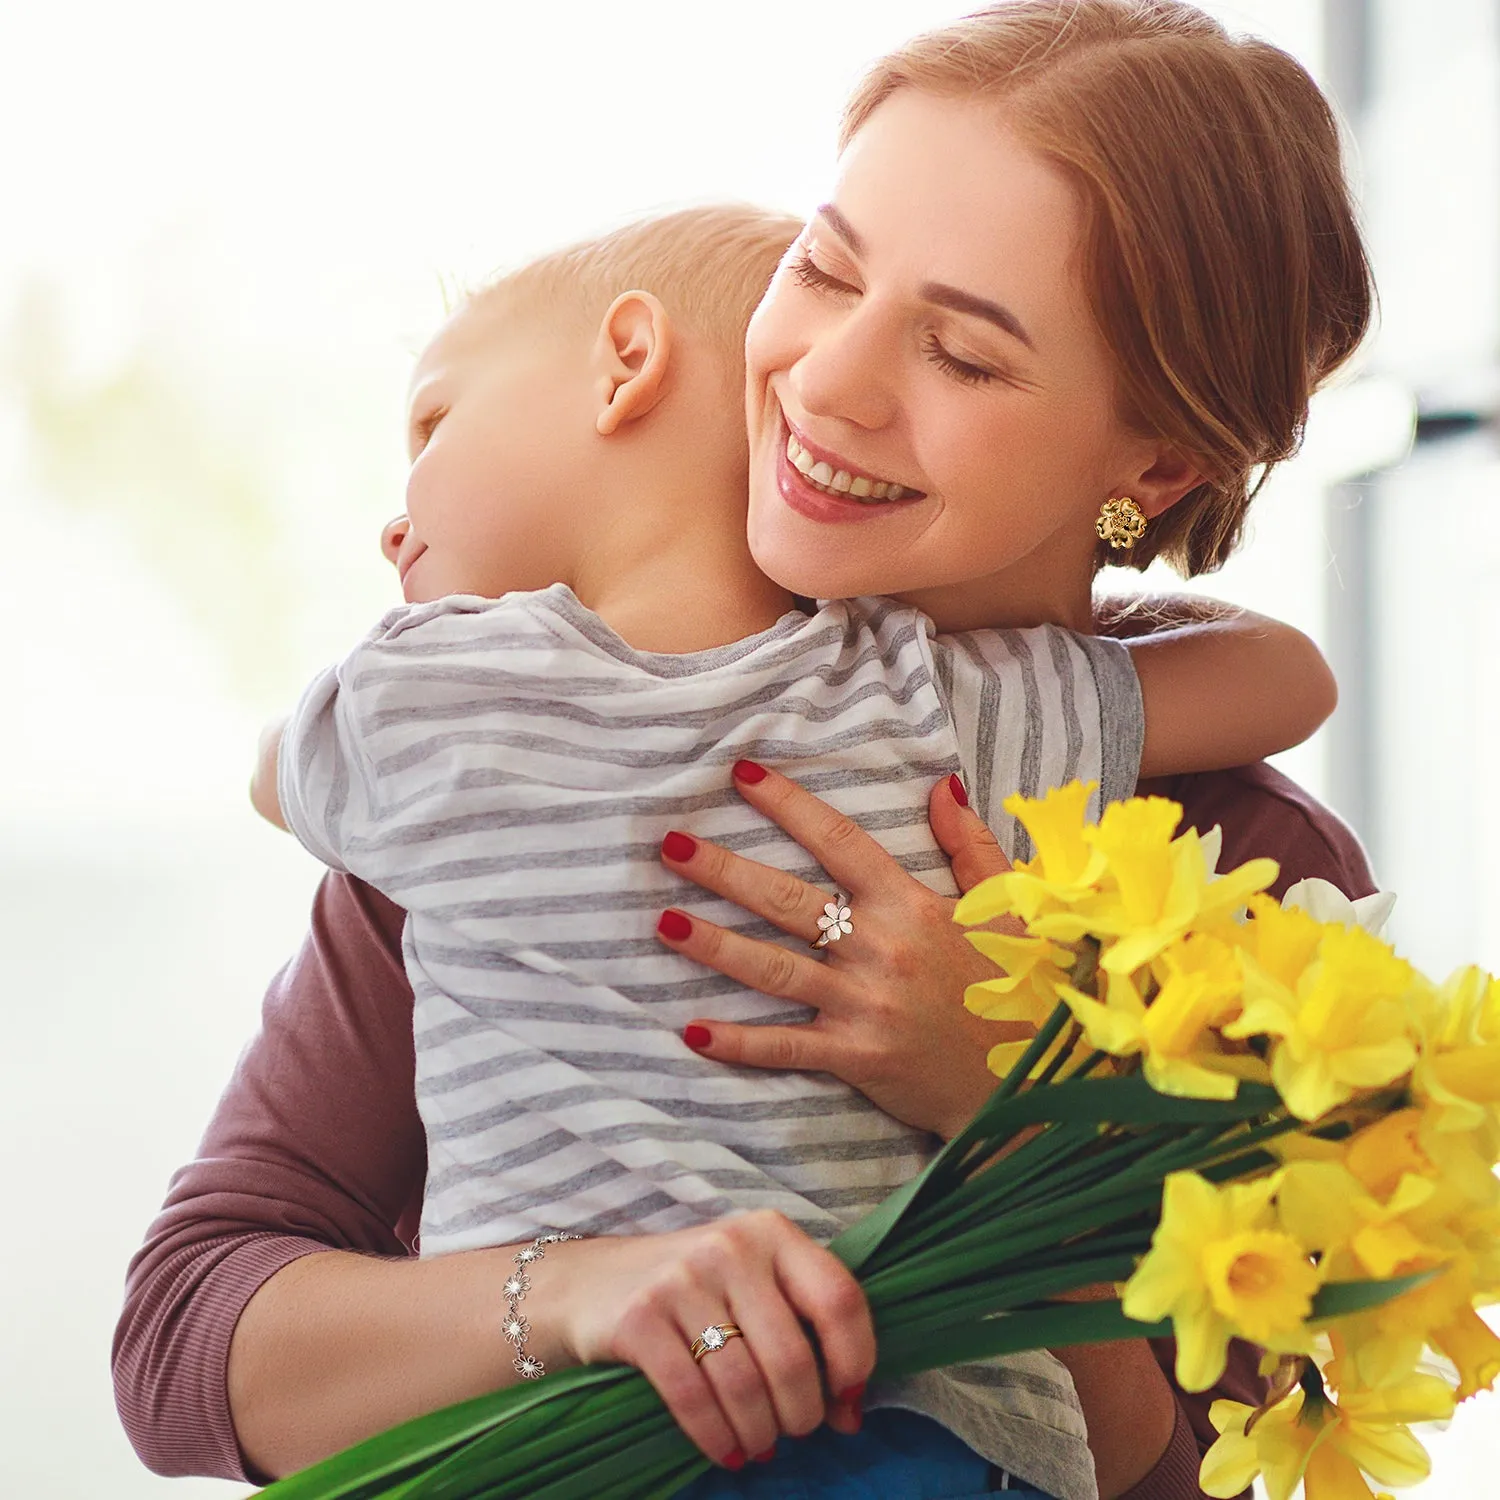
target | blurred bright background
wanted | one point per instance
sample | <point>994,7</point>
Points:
<point>230,230</point>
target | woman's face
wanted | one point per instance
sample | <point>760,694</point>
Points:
<point>930,330</point>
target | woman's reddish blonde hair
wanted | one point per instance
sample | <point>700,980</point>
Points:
<point>1221,251</point>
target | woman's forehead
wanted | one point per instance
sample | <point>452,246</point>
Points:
<point>943,190</point>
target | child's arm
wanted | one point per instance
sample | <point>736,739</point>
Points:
<point>1222,686</point>
<point>264,797</point>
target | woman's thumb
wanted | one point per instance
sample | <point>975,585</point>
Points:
<point>962,835</point>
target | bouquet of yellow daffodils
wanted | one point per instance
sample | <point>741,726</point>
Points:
<point>1387,1081</point>
<point>1257,1120</point>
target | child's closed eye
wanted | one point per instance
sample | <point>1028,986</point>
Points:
<point>423,428</point>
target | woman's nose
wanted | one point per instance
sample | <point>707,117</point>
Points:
<point>846,372</point>
<point>391,538</point>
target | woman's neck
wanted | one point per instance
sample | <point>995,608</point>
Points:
<point>1016,597</point>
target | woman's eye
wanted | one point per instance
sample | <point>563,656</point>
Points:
<point>808,273</point>
<point>959,369</point>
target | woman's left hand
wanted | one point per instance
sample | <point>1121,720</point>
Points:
<point>889,994</point>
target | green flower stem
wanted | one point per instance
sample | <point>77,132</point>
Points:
<point>632,1408</point>
<point>1001,1293</point>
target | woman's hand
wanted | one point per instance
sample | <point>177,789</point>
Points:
<point>889,996</point>
<point>643,1299</point>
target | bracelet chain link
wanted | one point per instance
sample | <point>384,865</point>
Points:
<point>515,1328</point>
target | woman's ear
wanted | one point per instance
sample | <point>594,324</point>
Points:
<point>1169,476</point>
<point>632,355</point>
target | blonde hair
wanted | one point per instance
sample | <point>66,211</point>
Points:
<point>709,266</point>
<point>1221,252</point>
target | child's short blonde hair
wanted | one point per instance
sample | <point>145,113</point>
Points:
<point>709,266</point>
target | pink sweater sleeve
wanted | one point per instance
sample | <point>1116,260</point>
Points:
<point>316,1144</point>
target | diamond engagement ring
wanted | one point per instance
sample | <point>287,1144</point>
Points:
<point>715,1336</point>
<point>835,921</point>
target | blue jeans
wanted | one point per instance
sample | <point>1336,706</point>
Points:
<point>896,1455</point>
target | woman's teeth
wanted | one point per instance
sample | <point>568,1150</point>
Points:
<point>823,476</point>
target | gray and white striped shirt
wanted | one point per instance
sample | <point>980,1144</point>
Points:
<point>505,770</point>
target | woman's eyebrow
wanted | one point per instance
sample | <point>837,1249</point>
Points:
<point>955,299</point>
<point>960,301</point>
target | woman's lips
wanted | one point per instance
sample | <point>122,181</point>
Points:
<point>818,504</point>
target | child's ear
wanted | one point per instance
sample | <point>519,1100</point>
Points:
<point>632,356</point>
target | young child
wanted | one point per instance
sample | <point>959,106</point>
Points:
<point>585,650</point>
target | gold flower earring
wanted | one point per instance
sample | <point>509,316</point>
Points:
<point>1121,523</point>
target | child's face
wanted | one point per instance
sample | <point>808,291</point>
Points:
<point>500,434</point>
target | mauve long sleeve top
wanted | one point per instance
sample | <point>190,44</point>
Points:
<point>316,1145</point>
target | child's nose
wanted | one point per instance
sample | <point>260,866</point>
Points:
<point>392,536</point>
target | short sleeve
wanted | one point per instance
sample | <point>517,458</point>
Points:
<point>325,777</point>
<point>1038,708</point>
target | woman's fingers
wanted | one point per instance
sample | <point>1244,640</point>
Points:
<point>963,835</point>
<point>782,1355</point>
<point>768,967</point>
<point>781,898</point>
<point>792,1049</point>
<point>733,1375</point>
<point>695,1407</point>
<point>824,1292</point>
<point>839,844</point>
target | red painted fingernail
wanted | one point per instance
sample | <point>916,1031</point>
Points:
<point>734,1460</point>
<point>956,787</point>
<point>748,772</point>
<point>674,925</point>
<point>854,1392</point>
<point>697,1037</point>
<point>679,846</point>
<point>767,1456</point>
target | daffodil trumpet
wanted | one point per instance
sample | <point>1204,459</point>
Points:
<point>1256,1120</point>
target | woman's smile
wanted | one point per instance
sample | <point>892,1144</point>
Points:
<point>823,485</point>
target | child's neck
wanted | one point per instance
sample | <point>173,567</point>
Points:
<point>680,587</point>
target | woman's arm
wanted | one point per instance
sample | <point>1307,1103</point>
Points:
<point>315,1145</point>
<point>275,1314</point>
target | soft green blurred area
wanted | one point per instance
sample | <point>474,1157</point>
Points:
<point>193,497</point>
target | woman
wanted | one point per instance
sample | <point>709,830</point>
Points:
<point>1101,241</point>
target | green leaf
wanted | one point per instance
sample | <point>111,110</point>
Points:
<point>368,1468</point>
<point>1053,1327</point>
<point>1340,1299</point>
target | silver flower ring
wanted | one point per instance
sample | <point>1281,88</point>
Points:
<point>835,921</point>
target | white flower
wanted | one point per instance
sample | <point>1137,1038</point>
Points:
<point>1325,902</point>
<point>516,1329</point>
<point>835,923</point>
<point>517,1286</point>
<point>528,1367</point>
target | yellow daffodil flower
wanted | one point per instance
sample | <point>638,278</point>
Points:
<point>1458,1071</point>
<point>1159,887</point>
<point>1064,869</point>
<point>1325,1446</point>
<point>1027,991</point>
<point>1219,1266</point>
<point>1175,1033</point>
<point>1342,1027</point>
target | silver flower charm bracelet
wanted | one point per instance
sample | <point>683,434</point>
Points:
<point>515,1328</point>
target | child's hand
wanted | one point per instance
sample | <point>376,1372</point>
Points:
<point>263,797</point>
